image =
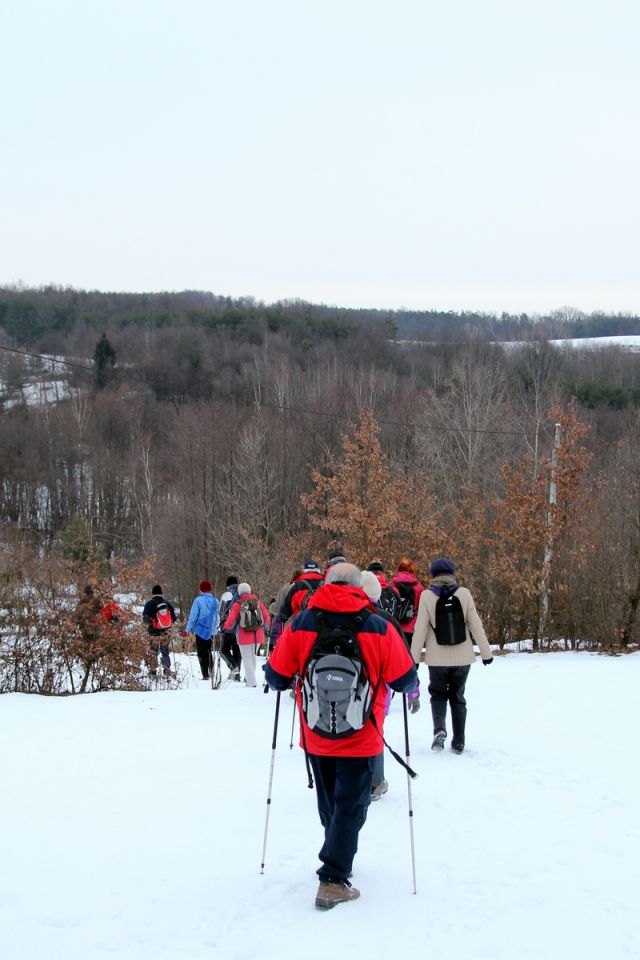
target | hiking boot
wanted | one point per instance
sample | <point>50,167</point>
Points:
<point>329,895</point>
<point>457,747</point>
<point>234,674</point>
<point>379,790</point>
<point>439,739</point>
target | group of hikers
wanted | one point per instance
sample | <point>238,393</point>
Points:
<point>342,641</point>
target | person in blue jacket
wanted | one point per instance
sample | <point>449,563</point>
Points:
<point>203,622</point>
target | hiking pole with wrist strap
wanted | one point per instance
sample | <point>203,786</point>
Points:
<point>273,758</point>
<point>293,718</point>
<point>406,749</point>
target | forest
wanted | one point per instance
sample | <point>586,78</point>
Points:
<point>206,436</point>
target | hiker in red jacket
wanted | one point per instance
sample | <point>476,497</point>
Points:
<point>409,588</point>
<point>303,586</point>
<point>342,762</point>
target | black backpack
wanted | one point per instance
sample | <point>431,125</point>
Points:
<point>407,603</point>
<point>389,601</point>
<point>450,628</point>
<point>337,696</point>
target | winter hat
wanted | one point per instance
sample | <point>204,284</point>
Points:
<point>243,588</point>
<point>205,586</point>
<point>337,554</point>
<point>231,581</point>
<point>371,585</point>
<point>376,566</point>
<point>442,566</point>
<point>157,590</point>
<point>311,565</point>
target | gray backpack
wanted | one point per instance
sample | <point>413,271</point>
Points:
<point>251,615</point>
<point>337,696</point>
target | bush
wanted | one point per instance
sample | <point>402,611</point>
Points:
<point>52,643</point>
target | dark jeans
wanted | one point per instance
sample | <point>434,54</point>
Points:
<point>203,649</point>
<point>343,792</point>
<point>230,651</point>
<point>377,769</point>
<point>164,653</point>
<point>446,685</point>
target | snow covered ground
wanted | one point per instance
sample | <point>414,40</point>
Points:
<point>133,826</point>
<point>629,342</point>
<point>626,342</point>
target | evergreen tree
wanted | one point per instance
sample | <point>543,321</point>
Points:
<point>104,359</point>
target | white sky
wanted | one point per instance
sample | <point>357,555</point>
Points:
<point>451,154</point>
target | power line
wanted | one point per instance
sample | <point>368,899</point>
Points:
<point>124,375</point>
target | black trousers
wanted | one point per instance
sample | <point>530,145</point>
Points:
<point>203,649</point>
<point>230,651</point>
<point>446,685</point>
<point>343,792</point>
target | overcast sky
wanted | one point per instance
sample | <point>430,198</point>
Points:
<point>452,154</point>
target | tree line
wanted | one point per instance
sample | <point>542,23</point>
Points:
<point>215,452</point>
<point>53,317</point>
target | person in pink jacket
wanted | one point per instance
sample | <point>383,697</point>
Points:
<point>409,588</point>
<point>248,617</point>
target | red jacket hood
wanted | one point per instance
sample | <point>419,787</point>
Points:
<point>339,598</point>
<point>403,576</point>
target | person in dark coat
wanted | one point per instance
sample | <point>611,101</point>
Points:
<point>159,615</point>
<point>342,767</point>
<point>229,649</point>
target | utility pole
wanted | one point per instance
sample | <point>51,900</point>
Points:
<point>548,549</point>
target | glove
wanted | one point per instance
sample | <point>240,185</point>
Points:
<point>487,662</point>
<point>414,705</point>
<point>185,633</point>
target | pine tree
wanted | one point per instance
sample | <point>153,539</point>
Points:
<point>104,359</point>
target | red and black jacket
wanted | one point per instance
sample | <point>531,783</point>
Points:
<point>303,584</point>
<point>385,653</point>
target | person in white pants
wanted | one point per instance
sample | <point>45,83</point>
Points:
<point>249,617</point>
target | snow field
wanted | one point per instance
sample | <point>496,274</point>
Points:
<point>133,825</point>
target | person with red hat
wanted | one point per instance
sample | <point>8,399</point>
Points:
<point>203,622</point>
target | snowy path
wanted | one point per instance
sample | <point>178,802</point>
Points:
<point>133,824</point>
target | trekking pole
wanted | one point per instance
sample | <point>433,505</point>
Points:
<point>406,748</point>
<point>273,758</point>
<point>293,718</point>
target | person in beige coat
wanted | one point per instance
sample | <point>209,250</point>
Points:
<point>449,654</point>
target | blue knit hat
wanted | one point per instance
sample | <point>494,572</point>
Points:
<point>442,566</point>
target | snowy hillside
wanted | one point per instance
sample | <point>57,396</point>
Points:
<point>133,826</point>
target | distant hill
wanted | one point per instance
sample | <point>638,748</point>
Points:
<point>49,316</point>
